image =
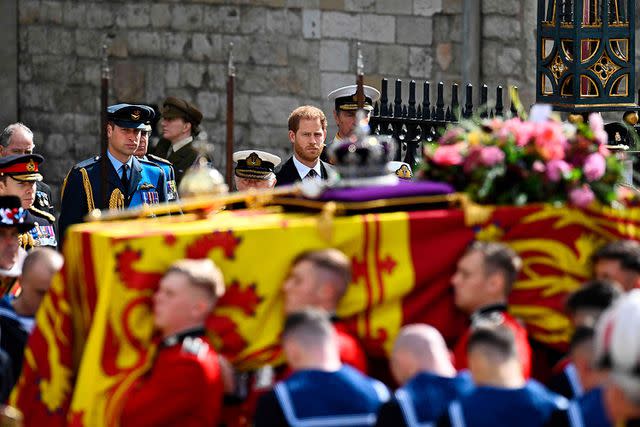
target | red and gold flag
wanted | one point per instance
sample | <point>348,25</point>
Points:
<point>94,332</point>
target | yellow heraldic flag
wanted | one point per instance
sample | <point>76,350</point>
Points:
<point>254,252</point>
<point>94,334</point>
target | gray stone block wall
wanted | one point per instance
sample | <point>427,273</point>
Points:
<point>288,53</point>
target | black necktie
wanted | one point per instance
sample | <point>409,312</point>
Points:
<point>125,178</point>
<point>311,174</point>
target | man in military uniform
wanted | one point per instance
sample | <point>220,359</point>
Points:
<point>130,182</point>
<point>180,125</point>
<point>184,385</point>
<point>421,364</point>
<point>17,139</point>
<point>167,167</point>
<point>307,133</point>
<point>619,261</point>
<point>482,282</point>
<point>14,220</point>
<point>502,396</point>
<point>319,279</point>
<point>18,177</point>
<point>346,107</point>
<point>321,391</point>
<point>255,169</point>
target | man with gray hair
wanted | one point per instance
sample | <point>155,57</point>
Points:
<point>17,139</point>
<point>421,364</point>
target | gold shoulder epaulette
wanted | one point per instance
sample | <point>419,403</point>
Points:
<point>116,201</point>
<point>43,213</point>
<point>86,183</point>
<point>64,184</point>
<point>25,240</point>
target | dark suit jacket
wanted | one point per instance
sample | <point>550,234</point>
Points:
<point>181,160</point>
<point>43,200</point>
<point>288,174</point>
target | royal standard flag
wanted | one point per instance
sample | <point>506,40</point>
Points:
<point>94,333</point>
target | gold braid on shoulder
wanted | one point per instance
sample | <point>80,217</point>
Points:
<point>25,240</point>
<point>116,201</point>
<point>87,190</point>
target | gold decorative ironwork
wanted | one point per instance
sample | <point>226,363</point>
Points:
<point>620,48</point>
<point>588,87</point>
<point>547,48</point>
<point>620,86</point>
<point>604,68</point>
<point>547,87</point>
<point>557,67</point>
<point>567,87</point>
<point>592,46</point>
<point>567,49</point>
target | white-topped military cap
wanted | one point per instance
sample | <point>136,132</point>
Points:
<point>255,164</point>
<point>400,169</point>
<point>345,97</point>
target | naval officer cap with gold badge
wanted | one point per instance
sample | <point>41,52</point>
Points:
<point>255,169</point>
<point>18,177</point>
<point>346,99</point>
<point>346,105</point>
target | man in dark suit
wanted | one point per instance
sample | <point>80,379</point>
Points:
<point>130,181</point>
<point>307,133</point>
<point>180,124</point>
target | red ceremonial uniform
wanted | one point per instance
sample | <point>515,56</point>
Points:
<point>183,388</point>
<point>519,331</point>
<point>351,352</point>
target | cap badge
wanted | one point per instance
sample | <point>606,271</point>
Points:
<point>404,172</point>
<point>135,115</point>
<point>254,160</point>
<point>31,166</point>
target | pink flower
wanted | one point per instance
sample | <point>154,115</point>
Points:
<point>594,167</point>
<point>597,126</point>
<point>602,149</point>
<point>539,166</point>
<point>491,155</point>
<point>581,196</point>
<point>451,136</point>
<point>447,155</point>
<point>556,169</point>
<point>522,132</point>
<point>550,141</point>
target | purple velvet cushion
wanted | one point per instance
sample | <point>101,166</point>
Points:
<point>401,189</point>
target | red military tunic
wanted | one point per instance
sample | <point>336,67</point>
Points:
<point>351,352</point>
<point>183,388</point>
<point>519,331</point>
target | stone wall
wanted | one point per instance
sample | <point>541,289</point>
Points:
<point>288,53</point>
